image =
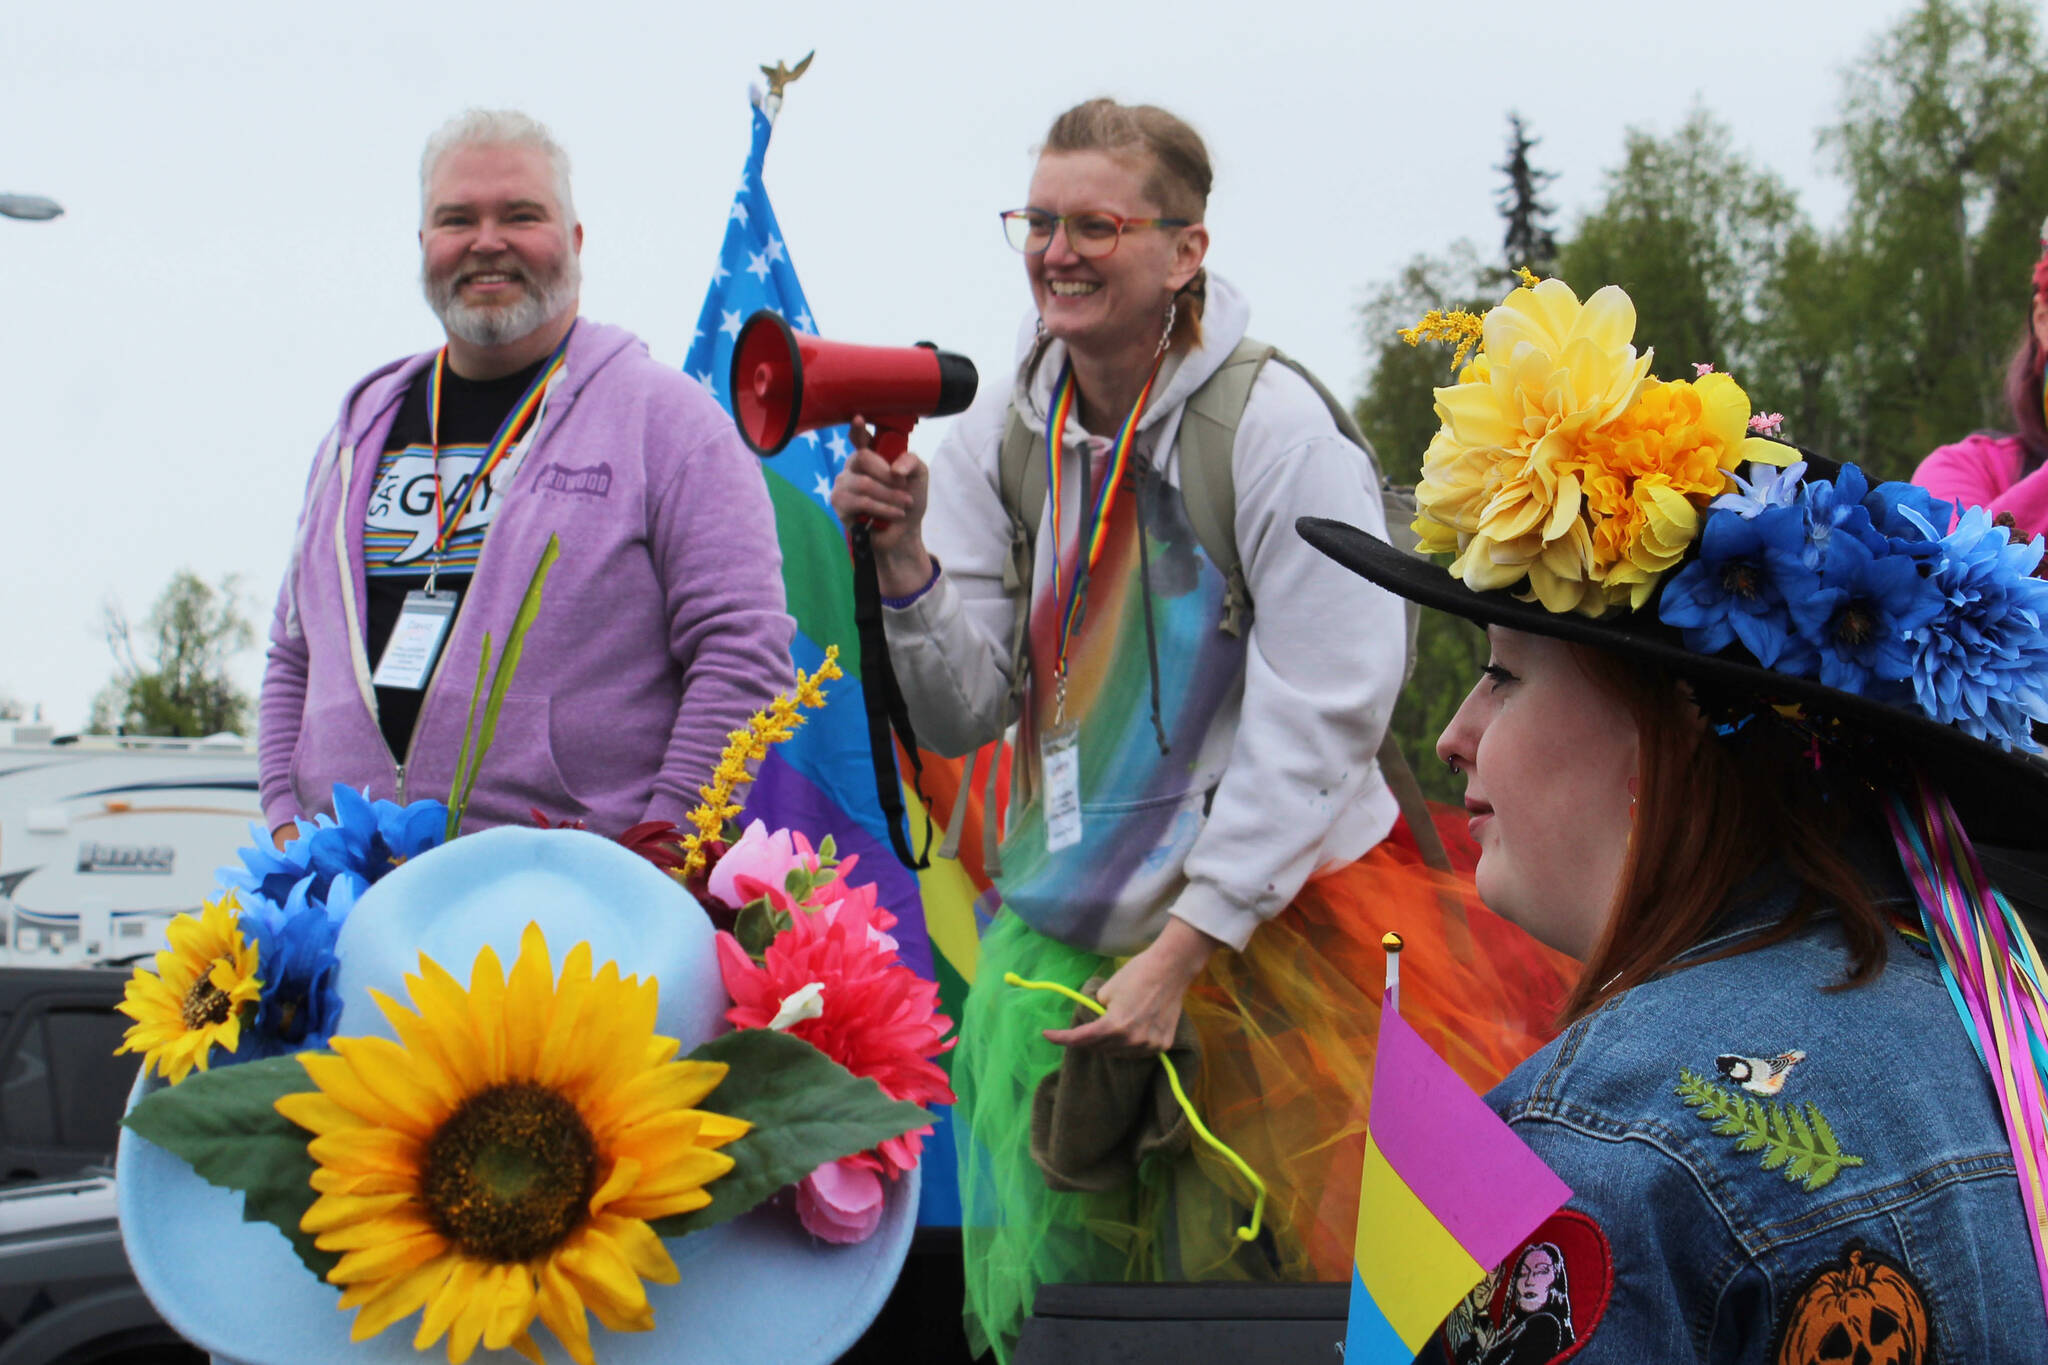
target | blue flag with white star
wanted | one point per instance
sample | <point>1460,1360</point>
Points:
<point>822,780</point>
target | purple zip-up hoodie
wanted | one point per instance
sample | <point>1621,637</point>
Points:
<point>662,627</point>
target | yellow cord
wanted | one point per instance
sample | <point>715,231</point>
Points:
<point>1187,1106</point>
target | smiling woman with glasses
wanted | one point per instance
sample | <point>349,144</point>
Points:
<point>1198,833</point>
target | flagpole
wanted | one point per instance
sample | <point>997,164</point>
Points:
<point>1392,943</point>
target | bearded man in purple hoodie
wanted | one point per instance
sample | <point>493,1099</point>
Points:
<point>433,496</point>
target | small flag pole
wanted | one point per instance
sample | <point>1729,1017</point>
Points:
<point>1392,943</point>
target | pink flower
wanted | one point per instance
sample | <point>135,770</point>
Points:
<point>1700,370</point>
<point>879,1019</point>
<point>1767,423</point>
<point>758,868</point>
<point>841,1201</point>
<point>767,858</point>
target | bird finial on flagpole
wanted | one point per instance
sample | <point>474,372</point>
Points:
<point>780,78</point>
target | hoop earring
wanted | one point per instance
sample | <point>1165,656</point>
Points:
<point>1166,336</point>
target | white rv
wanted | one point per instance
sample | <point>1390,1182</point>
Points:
<point>103,839</point>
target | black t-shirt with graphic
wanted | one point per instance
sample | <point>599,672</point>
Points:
<point>398,534</point>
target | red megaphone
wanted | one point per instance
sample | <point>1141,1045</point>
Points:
<point>785,382</point>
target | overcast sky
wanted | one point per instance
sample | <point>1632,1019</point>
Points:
<point>242,194</point>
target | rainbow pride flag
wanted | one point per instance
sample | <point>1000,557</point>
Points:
<point>1449,1192</point>
<point>822,781</point>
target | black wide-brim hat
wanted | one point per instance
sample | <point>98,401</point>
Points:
<point>2002,797</point>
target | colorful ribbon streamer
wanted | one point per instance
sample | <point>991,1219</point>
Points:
<point>1993,974</point>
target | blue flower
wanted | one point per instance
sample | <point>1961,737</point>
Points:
<point>1861,611</point>
<point>1767,487</point>
<point>1982,662</point>
<point>300,1005</point>
<point>366,839</point>
<point>1907,516</point>
<point>269,873</point>
<point>1735,589</point>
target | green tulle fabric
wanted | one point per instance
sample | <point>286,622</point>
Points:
<point>1017,1234</point>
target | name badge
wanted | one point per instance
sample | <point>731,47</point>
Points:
<point>1060,758</point>
<point>416,640</point>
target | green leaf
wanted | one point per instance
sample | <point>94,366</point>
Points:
<point>224,1123</point>
<point>806,1110</point>
<point>458,791</point>
<point>508,660</point>
<point>757,924</point>
<point>1798,1143</point>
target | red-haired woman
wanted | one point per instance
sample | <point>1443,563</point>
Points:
<point>2006,472</point>
<point>1724,754</point>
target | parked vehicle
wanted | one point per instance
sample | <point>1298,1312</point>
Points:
<point>104,838</point>
<point>67,1296</point>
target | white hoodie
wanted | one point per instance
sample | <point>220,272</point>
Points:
<point>1283,782</point>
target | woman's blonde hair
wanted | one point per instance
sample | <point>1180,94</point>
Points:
<point>1178,179</point>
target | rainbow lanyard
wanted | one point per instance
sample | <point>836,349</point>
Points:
<point>509,432</point>
<point>1097,532</point>
<point>1994,978</point>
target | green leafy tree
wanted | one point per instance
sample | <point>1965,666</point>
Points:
<point>182,688</point>
<point>1398,415</point>
<point>1694,233</point>
<point>1945,151</point>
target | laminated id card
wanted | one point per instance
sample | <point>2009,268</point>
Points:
<point>416,640</point>
<point>1060,758</point>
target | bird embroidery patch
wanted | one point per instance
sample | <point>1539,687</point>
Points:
<point>1759,1075</point>
<point>1863,1307</point>
<point>1796,1140</point>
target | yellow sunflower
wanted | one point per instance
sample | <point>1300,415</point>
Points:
<point>196,997</point>
<point>501,1161</point>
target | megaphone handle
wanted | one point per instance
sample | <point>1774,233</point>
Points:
<point>891,437</point>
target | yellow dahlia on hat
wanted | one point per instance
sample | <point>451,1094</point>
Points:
<point>1563,467</point>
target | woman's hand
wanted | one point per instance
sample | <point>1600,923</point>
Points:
<point>891,496</point>
<point>1143,999</point>
<point>284,834</point>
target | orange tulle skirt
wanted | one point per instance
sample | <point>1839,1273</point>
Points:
<point>1287,1031</point>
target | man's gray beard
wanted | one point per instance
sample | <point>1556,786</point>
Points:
<point>496,325</point>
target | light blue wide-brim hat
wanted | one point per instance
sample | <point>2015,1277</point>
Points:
<point>755,1290</point>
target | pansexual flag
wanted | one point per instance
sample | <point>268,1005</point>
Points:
<point>1449,1193</point>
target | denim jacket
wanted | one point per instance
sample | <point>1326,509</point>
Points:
<point>1765,1170</point>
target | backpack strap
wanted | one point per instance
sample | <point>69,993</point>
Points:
<point>1208,435</point>
<point>1208,484</point>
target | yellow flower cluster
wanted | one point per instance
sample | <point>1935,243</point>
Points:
<point>1453,325</point>
<point>1562,463</point>
<point>742,747</point>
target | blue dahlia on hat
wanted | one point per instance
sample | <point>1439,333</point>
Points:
<point>529,1115</point>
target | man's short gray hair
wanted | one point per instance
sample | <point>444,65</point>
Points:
<point>497,127</point>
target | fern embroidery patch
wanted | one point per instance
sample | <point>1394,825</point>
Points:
<point>1795,1139</point>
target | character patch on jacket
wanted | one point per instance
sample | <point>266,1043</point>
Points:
<point>1796,1140</point>
<point>1759,1075</point>
<point>1864,1307</point>
<point>1541,1304</point>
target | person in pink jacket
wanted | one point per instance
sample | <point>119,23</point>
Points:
<point>431,501</point>
<point>1998,471</point>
